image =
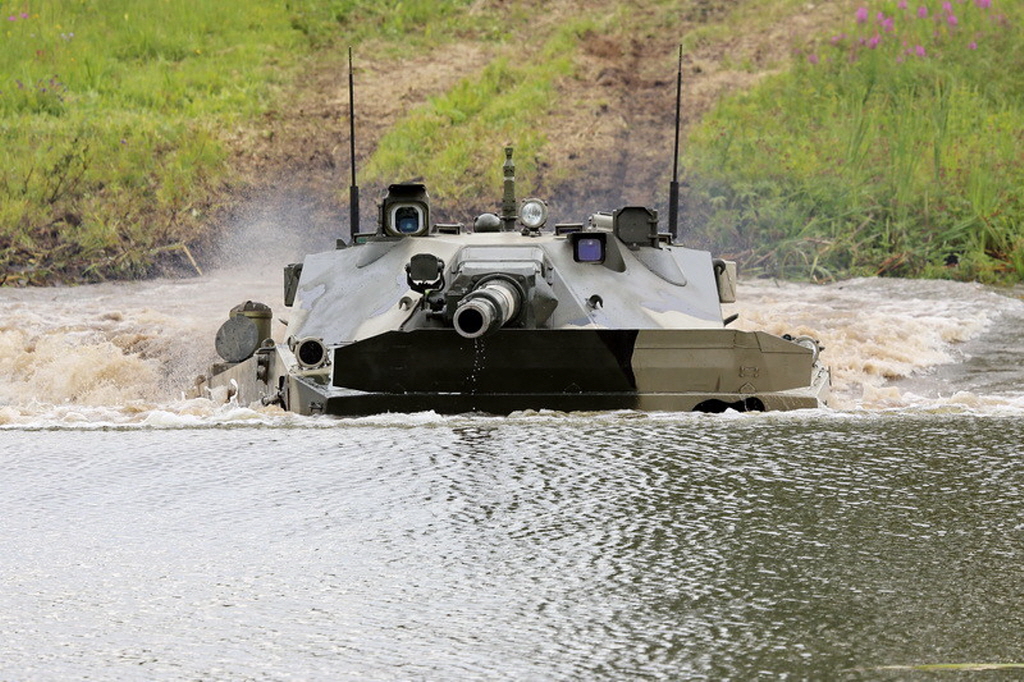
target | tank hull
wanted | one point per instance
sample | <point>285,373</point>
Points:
<point>342,402</point>
<point>707,370</point>
<point>607,315</point>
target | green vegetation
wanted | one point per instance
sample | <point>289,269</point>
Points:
<point>110,120</point>
<point>753,16</point>
<point>893,147</point>
<point>404,24</point>
<point>505,102</point>
<point>115,116</point>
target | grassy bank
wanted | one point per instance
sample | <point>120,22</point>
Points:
<point>110,120</point>
<point>892,147</point>
<point>114,117</point>
<point>892,144</point>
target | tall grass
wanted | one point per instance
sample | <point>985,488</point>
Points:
<point>893,147</point>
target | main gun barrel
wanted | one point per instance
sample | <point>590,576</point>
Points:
<point>487,308</point>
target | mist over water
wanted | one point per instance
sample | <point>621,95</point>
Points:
<point>126,352</point>
<point>277,227</point>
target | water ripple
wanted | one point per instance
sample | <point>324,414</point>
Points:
<point>524,548</point>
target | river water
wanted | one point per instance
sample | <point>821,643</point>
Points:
<point>146,536</point>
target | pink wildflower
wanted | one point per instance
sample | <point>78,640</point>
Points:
<point>953,21</point>
<point>972,45</point>
<point>888,25</point>
<point>12,18</point>
<point>873,42</point>
<point>862,15</point>
<point>920,51</point>
<point>983,4</point>
<point>948,6</point>
<point>902,4</point>
<point>922,12</point>
<point>812,58</point>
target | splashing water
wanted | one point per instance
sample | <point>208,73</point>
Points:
<point>884,338</point>
<point>126,353</point>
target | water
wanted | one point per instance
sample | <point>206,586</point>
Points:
<point>146,536</point>
<point>560,547</point>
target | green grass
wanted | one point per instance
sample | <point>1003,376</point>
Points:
<point>114,116</point>
<point>752,16</point>
<point>502,104</point>
<point>900,156</point>
<point>110,120</point>
<point>400,24</point>
<point>115,121</point>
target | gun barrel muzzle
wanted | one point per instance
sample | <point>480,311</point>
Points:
<point>487,309</point>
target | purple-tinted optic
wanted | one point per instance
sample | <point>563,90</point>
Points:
<point>589,250</point>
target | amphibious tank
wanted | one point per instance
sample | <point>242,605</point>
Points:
<point>510,313</point>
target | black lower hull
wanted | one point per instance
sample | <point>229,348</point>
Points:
<point>316,399</point>
<point>509,362</point>
<point>706,370</point>
<point>490,403</point>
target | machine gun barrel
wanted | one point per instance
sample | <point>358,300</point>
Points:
<point>487,308</point>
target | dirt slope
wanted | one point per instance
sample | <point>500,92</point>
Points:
<point>611,137</point>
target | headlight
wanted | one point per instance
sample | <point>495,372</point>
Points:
<point>533,213</point>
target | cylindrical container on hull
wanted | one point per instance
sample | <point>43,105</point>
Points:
<point>259,313</point>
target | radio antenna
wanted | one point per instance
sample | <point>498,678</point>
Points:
<point>353,192</point>
<point>673,188</point>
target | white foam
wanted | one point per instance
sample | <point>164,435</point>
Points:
<point>123,354</point>
<point>876,331</point>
